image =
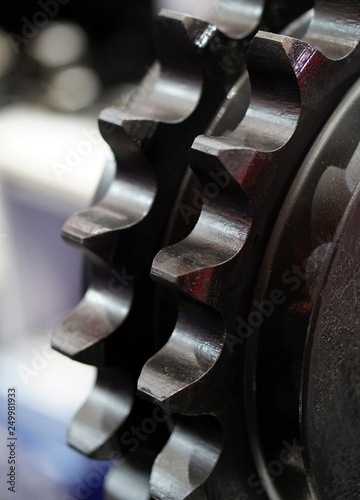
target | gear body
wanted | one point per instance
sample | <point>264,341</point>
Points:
<point>234,390</point>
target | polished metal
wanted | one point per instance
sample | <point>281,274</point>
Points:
<point>218,373</point>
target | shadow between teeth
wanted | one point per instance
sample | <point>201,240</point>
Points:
<point>193,267</point>
<point>175,374</point>
<point>181,43</point>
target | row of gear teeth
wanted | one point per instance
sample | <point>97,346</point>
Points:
<point>199,371</point>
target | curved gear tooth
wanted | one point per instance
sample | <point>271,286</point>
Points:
<point>197,64</point>
<point>107,408</point>
<point>151,159</point>
<point>252,168</point>
<point>150,139</point>
<point>186,462</point>
<point>249,156</point>
<point>128,200</point>
<point>82,334</point>
<point>184,364</point>
<point>229,163</point>
<point>326,31</point>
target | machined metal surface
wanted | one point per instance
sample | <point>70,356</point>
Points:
<point>213,269</point>
<point>306,350</point>
<point>233,388</point>
<point>113,325</point>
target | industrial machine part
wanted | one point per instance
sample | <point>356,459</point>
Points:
<point>261,371</point>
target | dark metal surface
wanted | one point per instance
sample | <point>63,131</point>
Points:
<point>331,380</point>
<point>302,379</point>
<point>113,325</point>
<point>213,269</point>
<point>244,167</point>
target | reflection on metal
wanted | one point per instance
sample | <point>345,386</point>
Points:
<point>216,344</point>
<point>216,264</point>
<point>123,231</point>
<point>310,341</point>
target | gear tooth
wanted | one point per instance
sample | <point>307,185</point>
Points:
<point>177,35</point>
<point>92,231</point>
<point>107,408</point>
<point>176,101</point>
<point>98,315</point>
<point>335,28</point>
<point>258,161</point>
<point>183,467</point>
<point>125,131</point>
<point>175,375</point>
<point>192,265</point>
<point>196,67</point>
<point>272,119</point>
<point>129,197</point>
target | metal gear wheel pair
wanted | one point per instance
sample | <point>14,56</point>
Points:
<point>261,373</point>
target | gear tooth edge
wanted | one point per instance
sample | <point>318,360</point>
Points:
<point>125,130</point>
<point>92,230</point>
<point>98,315</point>
<point>96,229</point>
<point>173,378</point>
<point>220,164</point>
<point>199,256</point>
<point>178,34</point>
<point>184,465</point>
<point>128,130</point>
<point>109,405</point>
<point>335,27</point>
<point>270,124</point>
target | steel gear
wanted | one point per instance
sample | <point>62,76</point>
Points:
<point>220,339</point>
<point>309,344</point>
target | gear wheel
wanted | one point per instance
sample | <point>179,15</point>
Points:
<point>244,175</point>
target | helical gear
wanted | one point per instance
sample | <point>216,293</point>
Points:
<point>205,372</point>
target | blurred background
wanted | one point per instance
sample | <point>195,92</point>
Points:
<point>61,62</point>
